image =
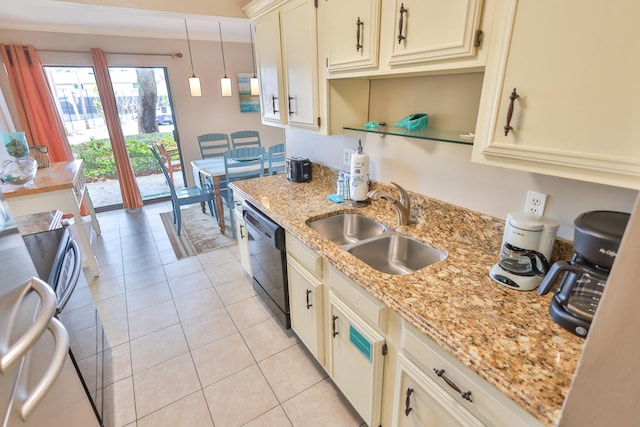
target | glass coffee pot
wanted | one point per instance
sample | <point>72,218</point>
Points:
<point>596,239</point>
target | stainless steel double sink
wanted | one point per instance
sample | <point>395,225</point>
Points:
<point>384,250</point>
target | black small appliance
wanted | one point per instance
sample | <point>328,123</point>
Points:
<point>298,169</point>
<point>596,240</point>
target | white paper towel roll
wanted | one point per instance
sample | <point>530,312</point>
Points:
<point>359,175</point>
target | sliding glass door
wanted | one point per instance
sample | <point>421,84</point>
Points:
<point>146,116</point>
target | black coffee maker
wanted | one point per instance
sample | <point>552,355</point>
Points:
<point>596,240</point>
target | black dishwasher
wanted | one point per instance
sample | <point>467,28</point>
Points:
<point>268,262</point>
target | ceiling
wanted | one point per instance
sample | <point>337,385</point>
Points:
<point>133,18</point>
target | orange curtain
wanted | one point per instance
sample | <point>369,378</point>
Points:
<point>35,104</point>
<point>131,198</point>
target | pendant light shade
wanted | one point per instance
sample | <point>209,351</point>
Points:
<point>194,86</point>
<point>225,85</point>
<point>225,82</point>
<point>194,82</point>
<point>255,87</point>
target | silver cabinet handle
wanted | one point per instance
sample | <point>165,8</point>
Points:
<point>46,309</point>
<point>28,404</point>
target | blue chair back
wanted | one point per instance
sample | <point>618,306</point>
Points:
<point>245,138</point>
<point>276,159</point>
<point>244,163</point>
<point>213,144</point>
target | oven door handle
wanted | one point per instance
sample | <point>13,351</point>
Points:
<point>47,305</point>
<point>73,277</point>
<point>27,404</point>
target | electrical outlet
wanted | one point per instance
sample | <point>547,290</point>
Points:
<point>535,203</point>
<point>346,156</point>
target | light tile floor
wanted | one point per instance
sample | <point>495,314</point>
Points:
<point>192,344</point>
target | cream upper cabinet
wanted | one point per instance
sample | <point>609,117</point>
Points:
<point>574,112</point>
<point>300,58</point>
<point>287,58</point>
<point>269,63</point>
<point>352,31</point>
<point>431,30</point>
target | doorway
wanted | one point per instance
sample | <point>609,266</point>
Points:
<point>145,111</point>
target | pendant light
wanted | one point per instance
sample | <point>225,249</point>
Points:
<point>225,82</point>
<point>255,88</point>
<point>194,82</point>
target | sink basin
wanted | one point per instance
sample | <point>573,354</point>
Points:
<point>396,254</point>
<point>347,228</point>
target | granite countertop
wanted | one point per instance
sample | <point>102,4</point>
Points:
<point>505,336</point>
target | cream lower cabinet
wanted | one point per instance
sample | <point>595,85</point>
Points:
<point>306,305</point>
<point>444,392</point>
<point>420,401</point>
<point>243,242</point>
<point>574,84</point>
<point>356,359</point>
<point>306,296</point>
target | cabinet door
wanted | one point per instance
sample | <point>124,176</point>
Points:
<point>356,360</point>
<point>577,83</point>
<point>300,59</point>
<point>420,401</point>
<point>243,242</point>
<point>269,63</point>
<point>305,303</point>
<point>430,30</point>
<point>352,32</point>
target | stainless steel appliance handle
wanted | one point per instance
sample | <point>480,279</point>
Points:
<point>46,309</point>
<point>73,277</point>
<point>26,406</point>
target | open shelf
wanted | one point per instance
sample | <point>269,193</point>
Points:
<point>433,134</point>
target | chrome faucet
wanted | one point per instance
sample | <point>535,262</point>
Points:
<point>403,206</point>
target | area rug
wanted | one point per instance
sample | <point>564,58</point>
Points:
<point>200,232</point>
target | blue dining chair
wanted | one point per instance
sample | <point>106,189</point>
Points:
<point>212,145</point>
<point>241,163</point>
<point>184,196</point>
<point>245,138</point>
<point>276,159</point>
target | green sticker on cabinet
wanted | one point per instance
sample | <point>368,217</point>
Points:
<point>360,342</point>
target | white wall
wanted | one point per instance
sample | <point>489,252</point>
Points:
<point>194,116</point>
<point>444,171</point>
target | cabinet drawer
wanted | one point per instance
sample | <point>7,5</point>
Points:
<point>372,310</point>
<point>487,403</point>
<point>420,401</point>
<point>305,256</point>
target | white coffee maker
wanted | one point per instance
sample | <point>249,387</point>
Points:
<point>526,248</point>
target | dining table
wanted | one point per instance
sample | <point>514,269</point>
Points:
<point>213,168</point>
